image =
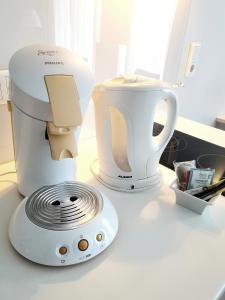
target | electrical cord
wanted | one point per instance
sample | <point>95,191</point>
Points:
<point>6,173</point>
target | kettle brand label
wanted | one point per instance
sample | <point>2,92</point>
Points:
<point>121,176</point>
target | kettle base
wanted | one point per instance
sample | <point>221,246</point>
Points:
<point>125,185</point>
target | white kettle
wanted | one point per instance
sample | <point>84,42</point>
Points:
<point>128,155</point>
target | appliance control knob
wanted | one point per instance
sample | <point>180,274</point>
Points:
<point>83,245</point>
<point>99,237</point>
<point>63,250</point>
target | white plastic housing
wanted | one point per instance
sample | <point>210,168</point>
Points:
<point>31,111</point>
<point>42,246</point>
<point>124,112</point>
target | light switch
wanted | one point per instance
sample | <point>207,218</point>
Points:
<point>192,59</point>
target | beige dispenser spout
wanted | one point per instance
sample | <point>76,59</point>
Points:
<point>66,115</point>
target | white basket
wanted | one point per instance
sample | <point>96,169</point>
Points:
<point>189,201</point>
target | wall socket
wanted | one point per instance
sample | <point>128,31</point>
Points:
<point>4,86</point>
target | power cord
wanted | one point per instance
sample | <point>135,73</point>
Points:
<point>6,173</point>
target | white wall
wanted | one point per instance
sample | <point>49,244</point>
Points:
<point>18,28</point>
<point>203,97</point>
<point>115,19</point>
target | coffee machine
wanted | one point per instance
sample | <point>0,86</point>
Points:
<point>60,222</point>
<point>128,154</point>
<point>50,91</point>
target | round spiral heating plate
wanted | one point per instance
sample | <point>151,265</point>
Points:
<point>63,206</point>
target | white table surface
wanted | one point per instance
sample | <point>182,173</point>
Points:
<point>162,250</point>
<point>199,130</point>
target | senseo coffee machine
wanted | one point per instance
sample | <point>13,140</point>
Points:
<point>50,91</point>
<point>61,221</point>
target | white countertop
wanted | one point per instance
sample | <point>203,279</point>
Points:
<point>162,250</point>
<point>202,131</point>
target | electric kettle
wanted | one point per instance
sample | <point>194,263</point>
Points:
<point>50,91</point>
<point>128,154</point>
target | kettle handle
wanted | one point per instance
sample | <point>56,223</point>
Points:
<point>168,129</point>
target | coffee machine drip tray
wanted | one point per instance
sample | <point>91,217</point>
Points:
<point>64,206</point>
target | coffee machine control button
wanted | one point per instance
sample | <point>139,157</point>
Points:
<point>99,237</point>
<point>63,250</point>
<point>83,245</point>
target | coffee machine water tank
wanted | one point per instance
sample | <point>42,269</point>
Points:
<point>50,91</point>
<point>128,154</point>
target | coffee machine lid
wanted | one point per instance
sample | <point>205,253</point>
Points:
<point>133,82</point>
<point>29,65</point>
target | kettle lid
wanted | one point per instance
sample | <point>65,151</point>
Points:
<point>133,82</point>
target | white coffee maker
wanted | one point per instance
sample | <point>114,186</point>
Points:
<point>128,154</point>
<point>50,91</point>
